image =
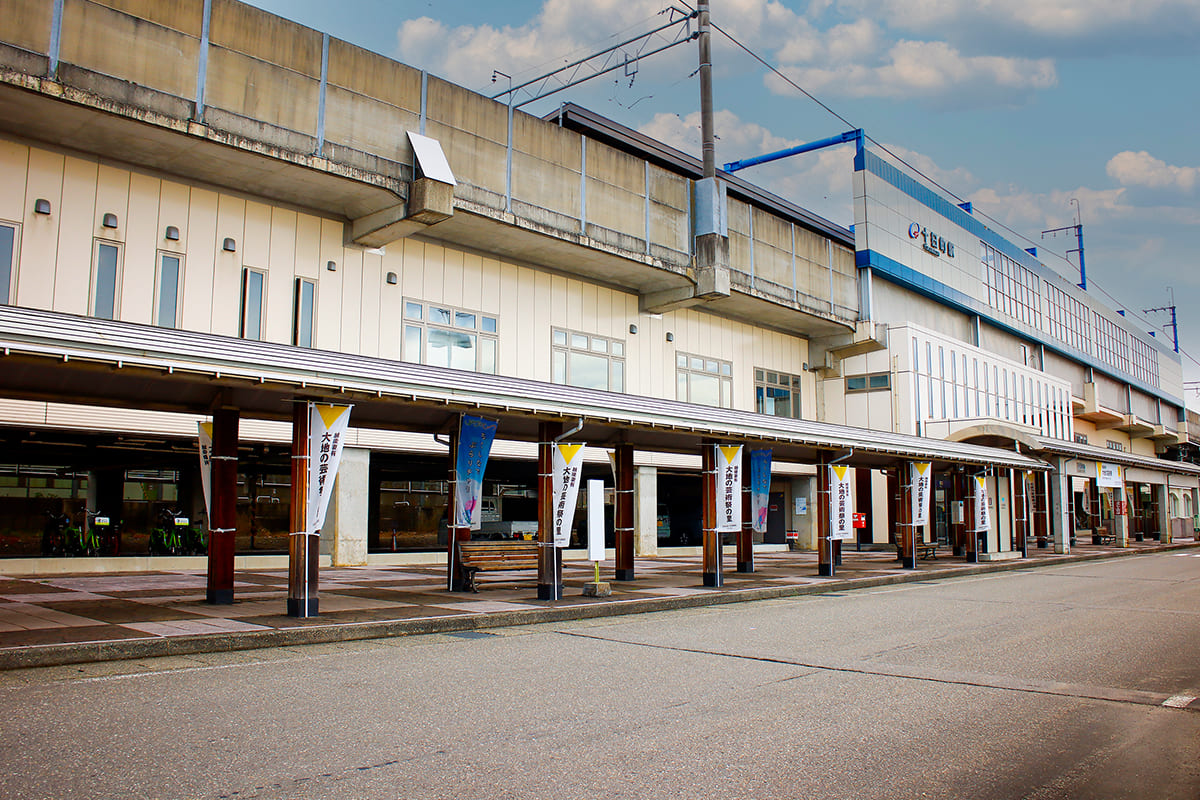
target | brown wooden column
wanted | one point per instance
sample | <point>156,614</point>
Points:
<point>825,560</point>
<point>905,530</point>
<point>222,526</point>
<point>710,539</point>
<point>972,540</point>
<point>549,582</point>
<point>893,510</point>
<point>623,513</point>
<point>1041,509</point>
<point>1020,504</point>
<point>745,542</point>
<point>455,581</point>
<point>303,550</point>
<point>957,529</point>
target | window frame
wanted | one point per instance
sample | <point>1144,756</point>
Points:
<point>569,347</point>
<point>424,325</point>
<point>297,306</point>
<point>869,382</point>
<point>158,287</point>
<point>244,306</point>
<point>723,374</point>
<point>9,297</point>
<point>94,289</point>
<point>794,385</point>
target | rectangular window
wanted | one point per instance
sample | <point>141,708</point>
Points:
<point>587,361</point>
<point>107,259</point>
<point>302,312</point>
<point>443,336</point>
<point>8,262</point>
<point>875,382</point>
<point>253,284</point>
<point>705,381</point>
<point>777,394</point>
<point>169,273</point>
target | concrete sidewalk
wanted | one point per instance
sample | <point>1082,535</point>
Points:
<point>65,619</point>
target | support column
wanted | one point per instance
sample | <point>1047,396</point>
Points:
<point>345,541</point>
<point>223,525</point>
<point>303,550</point>
<point>745,542</point>
<point>549,582</point>
<point>1061,525</point>
<point>455,581</point>
<point>1041,509</point>
<point>958,496</point>
<point>905,529</point>
<point>972,538</point>
<point>710,539</point>
<point>1121,517</point>
<point>825,563</point>
<point>1162,498</point>
<point>1019,481</point>
<point>645,511</point>
<point>623,513</point>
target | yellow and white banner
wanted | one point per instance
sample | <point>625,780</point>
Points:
<point>841,511</point>
<point>920,474</point>
<point>729,488</point>
<point>326,436</point>
<point>1109,475</point>
<point>204,438</point>
<point>983,514</point>
<point>568,463</point>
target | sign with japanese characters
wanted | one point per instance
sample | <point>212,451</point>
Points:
<point>568,463</point>
<point>920,475</point>
<point>983,514</point>
<point>760,487</point>
<point>841,510</point>
<point>204,438</point>
<point>729,488</point>
<point>1109,475</point>
<point>475,436</point>
<point>327,427</point>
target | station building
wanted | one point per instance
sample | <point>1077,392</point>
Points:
<point>210,212</point>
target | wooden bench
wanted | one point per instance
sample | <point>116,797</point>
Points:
<point>1102,536</point>
<point>476,557</point>
<point>927,550</point>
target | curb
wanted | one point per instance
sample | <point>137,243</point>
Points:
<point>124,649</point>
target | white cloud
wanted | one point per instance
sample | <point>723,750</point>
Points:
<point>1144,170</point>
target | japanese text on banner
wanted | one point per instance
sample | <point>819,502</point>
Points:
<point>568,464</point>
<point>729,488</point>
<point>327,426</point>
<point>841,511</point>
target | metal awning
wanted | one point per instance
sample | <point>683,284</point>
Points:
<point>64,358</point>
<point>1089,452</point>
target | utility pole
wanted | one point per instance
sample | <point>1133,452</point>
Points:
<point>1078,229</point>
<point>707,139</point>
<point>1174,323</point>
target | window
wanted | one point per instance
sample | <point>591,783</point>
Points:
<point>777,394</point>
<point>1081,438</point>
<point>253,284</point>
<point>169,273</point>
<point>8,262</point>
<point>441,336</point>
<point>586,361</point>
<point>1115,445</point>
<point>107,260</point>
<point>706,381</point>
<point>879,381</point>
<point>1012,289</point>
<point>302,312</point>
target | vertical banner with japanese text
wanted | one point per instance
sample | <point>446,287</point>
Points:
<point>475,436</point>
<point>327,427</point>
<point>841,514</point>
<point>204,439</point>
<point>568,464</point>
<point>921,475</point>
<point>729,488</point>
<point>760,487</point>
<point>983,514</point>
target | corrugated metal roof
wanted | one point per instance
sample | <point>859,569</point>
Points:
<point>1089,452</point>
<point>180,355</point>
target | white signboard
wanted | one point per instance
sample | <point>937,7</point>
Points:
<point>595,516</point>
<point>729,488</point>
<point>568,462</point>
<point>983,515</point>
<point>920,475</point>
<point>1109,475</point>
<point>841,513</point>
<point>206,447</point>
<point>327,427</point>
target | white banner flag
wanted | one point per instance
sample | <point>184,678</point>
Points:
<point>568,463</point>
<point>729,488</point>
<point>841,513</point>
<point>1109,475</point>
<point>983,514</point>
<point>204,437</point>
<point>921,475</point>
<point>326,435</point>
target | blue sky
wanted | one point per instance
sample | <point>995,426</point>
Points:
<point>1016,105</point>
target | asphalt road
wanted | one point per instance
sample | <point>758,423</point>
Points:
<point>1050,683</point>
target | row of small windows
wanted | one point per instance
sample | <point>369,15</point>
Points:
<point>1014,290</point>
<point>953,385</point>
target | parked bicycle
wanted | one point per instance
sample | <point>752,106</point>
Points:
<point>104,529</point>
<point>168,538</point>
<point>54,533</point>
<point>80,540</point>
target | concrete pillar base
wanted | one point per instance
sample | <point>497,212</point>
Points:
<point>601,589</point>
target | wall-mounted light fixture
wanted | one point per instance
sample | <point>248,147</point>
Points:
<point>331,266</point>
<point>229,245</point>
<point>670,337</point>
<point>171,234</point>
<point>392,279</point>
<point>41,206</point>
<point>632,328</point>
<point>109,221</point>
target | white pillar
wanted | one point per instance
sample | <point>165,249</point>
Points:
<point>645,511</point>
<point>344,538</point>
<point>1163,498</point>
<point>1060,486</point>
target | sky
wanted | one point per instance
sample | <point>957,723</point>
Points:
<point>1019,106</point>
